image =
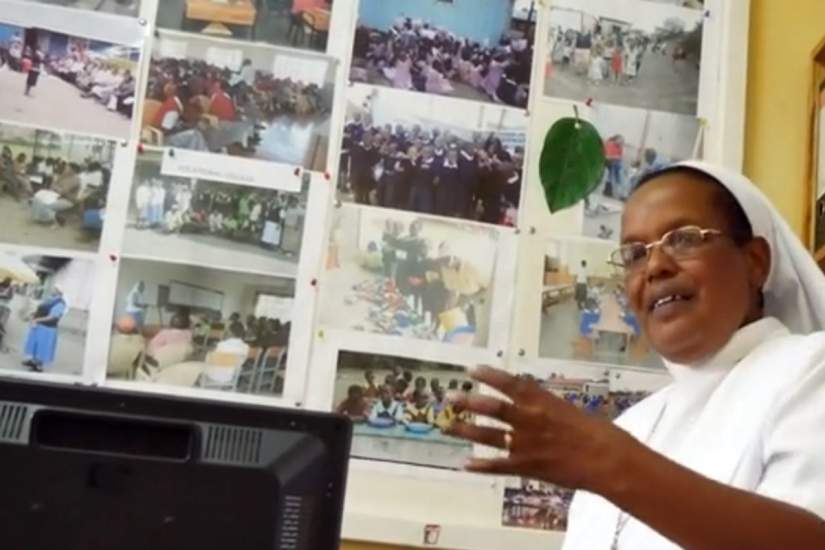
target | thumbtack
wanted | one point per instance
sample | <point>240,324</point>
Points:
<point>297,172</point>
<point>589,101</point>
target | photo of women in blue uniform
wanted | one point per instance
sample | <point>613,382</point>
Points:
<point>42,338</point>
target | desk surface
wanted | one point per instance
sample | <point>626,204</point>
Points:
<point>319,18</point>
<point>232,12</point>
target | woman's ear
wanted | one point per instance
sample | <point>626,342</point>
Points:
<point>759,262</point>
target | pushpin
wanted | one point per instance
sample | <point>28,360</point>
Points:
<point>589,102</point>
<point>297,172</point>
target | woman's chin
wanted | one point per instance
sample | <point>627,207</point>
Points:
<point>678,340</point>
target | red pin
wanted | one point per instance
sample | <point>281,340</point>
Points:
<point>141,148</point>
<point>589,101</point>
<point>297,172</point>
<point>314,282</point>
<point>327,176</point>
<point>113,258</point>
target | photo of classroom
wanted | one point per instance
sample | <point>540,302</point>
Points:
<point>197,327</point>
<point>295,23</point>
<point>481,50</point>
<point>651,60</point>
<point>399,408</point>
<point>636,143</point>
<point>403,275</point>
<point>584,312</point>
<point>431,155</point>
<point>44,312</point>
<point>116,7</point>
<point>53,187</point>
<point>239,99</point>
<point>67,82</point>
<point>214,223</point>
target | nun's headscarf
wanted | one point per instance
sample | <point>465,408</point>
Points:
<point>795,289</point>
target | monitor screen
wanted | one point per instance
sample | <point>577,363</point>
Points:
<point>87,468</point>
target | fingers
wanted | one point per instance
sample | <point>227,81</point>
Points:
<point>514,387</point>
<point>496,466</point>
<point>491,437</point>
<point>485,405</point>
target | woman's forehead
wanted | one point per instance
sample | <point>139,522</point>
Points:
<point>670,201</point>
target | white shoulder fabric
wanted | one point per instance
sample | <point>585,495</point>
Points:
<point>795,290</point>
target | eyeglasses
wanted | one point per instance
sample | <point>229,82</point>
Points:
<point>678,243</point>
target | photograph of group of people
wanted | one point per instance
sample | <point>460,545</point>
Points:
<point>537,505</point>
<point>471,50</point>
<point>53,187</point>
<point>44,312</point>
<point>216,223</point>
<point>197,327</point>
<point>625,52</point>
<point>68,82</point>
<point>636,143</point>
<point>434,156</point>
<point>295,23</point>
<point>116,7</point>
<point>403,275</point>
<point>400,410</point>
<point>585,315</point>
<point>240,99</point>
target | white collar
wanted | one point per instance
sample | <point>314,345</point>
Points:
<point>742,343</point>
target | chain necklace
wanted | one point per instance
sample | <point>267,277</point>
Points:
<point>624,517</point>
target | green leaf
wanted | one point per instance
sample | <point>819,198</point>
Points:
<point>572,162</point>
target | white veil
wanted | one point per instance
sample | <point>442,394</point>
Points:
<point>795,289</point>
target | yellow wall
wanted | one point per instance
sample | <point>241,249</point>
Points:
<point>783,36</point>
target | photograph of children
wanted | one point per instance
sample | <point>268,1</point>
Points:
<point>537,505</point>
<point>295,23</point>
<point>403,275</point>
<point>480,50</point>
<point>197,327</point>
<point>67,82</point>
<point>585,315</point>
<point>399,408</point>
<point>434,156</point>
<point>625,52</point>
<point>53,187</point>
<point>214,223</point>
<point>636,143</point>
<point>240,99</point>
<point>116,7</point>
<point>44,311</point>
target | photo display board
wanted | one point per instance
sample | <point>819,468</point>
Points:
<point>336,205</point>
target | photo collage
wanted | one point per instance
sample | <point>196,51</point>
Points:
<point>237,207</point>
<point>198,270</point>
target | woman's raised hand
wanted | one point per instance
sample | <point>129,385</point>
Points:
<point>548,438</point>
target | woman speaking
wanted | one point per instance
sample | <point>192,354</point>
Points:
<point>730,455</point>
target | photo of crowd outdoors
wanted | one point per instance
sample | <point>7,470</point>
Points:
<point>53,187</point>
<point>585,314</point>
<point>480,50</point>
<point>44,312</point>
<point>434,156</point>
<point>295,23</point>
<point>116,7</point>
<point>197,327</point>
<point>403,275</point>
<point>636,143</point>
<point>67,82</point>
<point>214,223</point>
<point>400,410</point>
<point>534,504</point>
<point>651,60</point>
<point>239,99</point>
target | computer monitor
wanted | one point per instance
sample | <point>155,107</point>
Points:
<point>97,469</point>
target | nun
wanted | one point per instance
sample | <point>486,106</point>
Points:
<point>41,340</point>
<point>731,453</point>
